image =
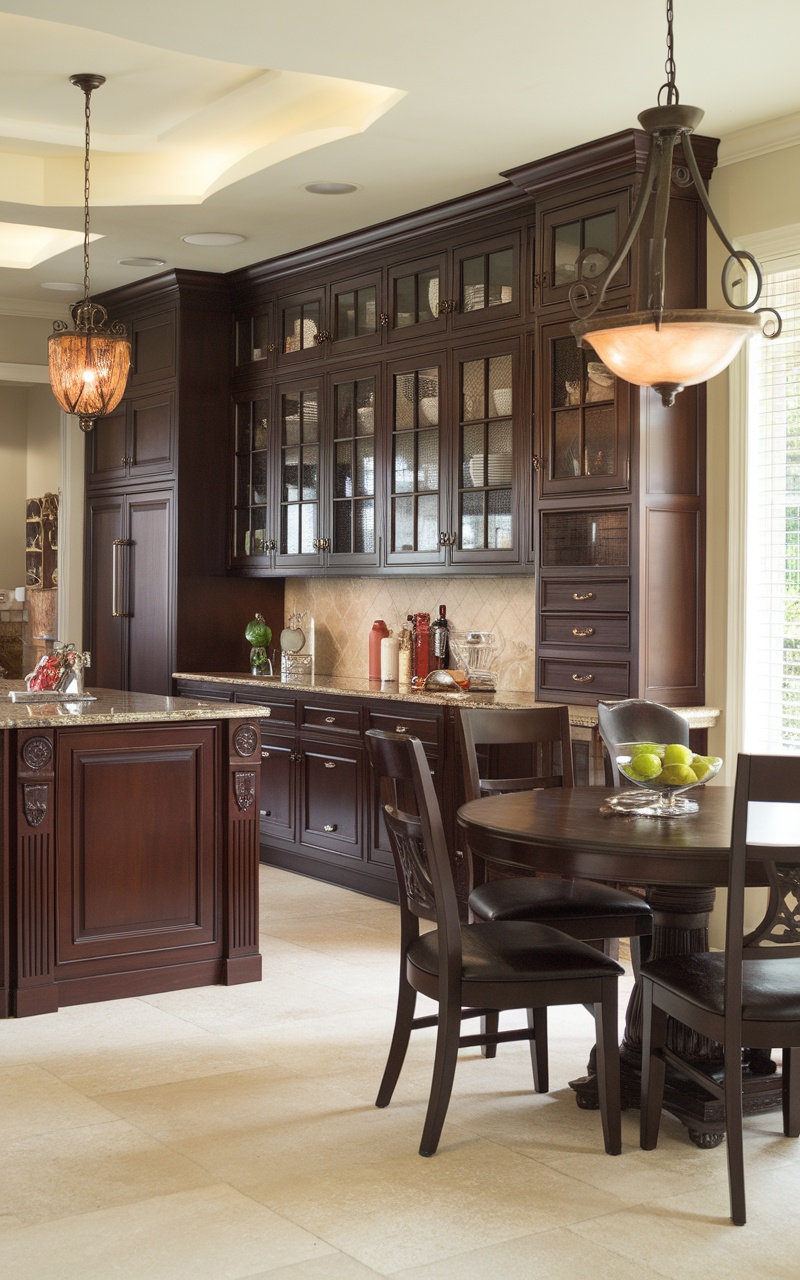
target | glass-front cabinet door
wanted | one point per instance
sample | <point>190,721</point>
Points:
<point>300,542</point>
<point>486,277</point>
<point>418,303</point>
<point>583,423</point>
<point>417,531</point>
<point>484,497</point>
<point>351,529</point>
<point>254,539</point>
<point>357,313</point>
<point>576,242</point>
<point>255,341</point>
<point>301,327</point>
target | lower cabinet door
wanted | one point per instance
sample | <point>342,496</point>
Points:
<point>277,788</point>
<point>330,798</point>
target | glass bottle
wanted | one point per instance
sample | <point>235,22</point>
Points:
<point>378,632</point>
<point>421,647</point>
<point>441,649</point>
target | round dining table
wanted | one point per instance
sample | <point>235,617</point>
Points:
<point>678,862</point>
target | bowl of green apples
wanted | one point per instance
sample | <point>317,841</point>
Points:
<point>663,772</point>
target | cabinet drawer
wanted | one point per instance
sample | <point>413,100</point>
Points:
<point>332,718</point>
<point>584,680</point>
<point>426,728</point>
<point>606,595</point>
<point>208,692</point>
<point>282,714</point>
<point>592,632</point>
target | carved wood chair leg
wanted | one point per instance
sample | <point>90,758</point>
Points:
<point>537,1022</point>
<point>654,1035</point>
<point>733,1132</point>
<point>490,1024</point>
<point>406,1003</point>
<point>605,1019</point>
<point>444,1070</point>
<point>790,1090</point>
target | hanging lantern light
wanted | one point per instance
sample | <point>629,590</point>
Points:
<point>88,364</point>
<point>658,348</point>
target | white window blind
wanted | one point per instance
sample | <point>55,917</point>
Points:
<point>772,630</point>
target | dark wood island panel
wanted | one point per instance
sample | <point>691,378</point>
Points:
<point>129,854</point>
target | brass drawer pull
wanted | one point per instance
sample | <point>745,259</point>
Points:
<point>330,826</point>
<point>266,813</point>
<point>400,728</point>
<point>576,595</point>
<point>265,755</point>
<point>329,764</point>
<point>583,631</point>
<point>330,719</point>
<point>582,679</point>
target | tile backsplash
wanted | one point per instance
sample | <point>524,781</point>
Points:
<point>344,610</point>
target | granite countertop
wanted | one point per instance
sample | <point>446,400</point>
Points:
<point>112,706</point>
<point>350,686</point>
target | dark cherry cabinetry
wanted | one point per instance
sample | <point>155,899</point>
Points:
<point>156,470</point>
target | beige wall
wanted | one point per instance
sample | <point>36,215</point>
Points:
<point>13,482</point>
<point>23,338</point>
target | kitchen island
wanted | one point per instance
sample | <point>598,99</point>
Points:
<point>129,836</point>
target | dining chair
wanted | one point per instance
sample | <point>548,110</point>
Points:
<point>470,969</point>
<point>636,720</point>
<point>584,909</point>
<point>748,995</point>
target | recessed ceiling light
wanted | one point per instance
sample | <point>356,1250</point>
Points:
<point>142,262</point>
<point>212,238</point>
<point>62,286</point>
<point>330,188</point>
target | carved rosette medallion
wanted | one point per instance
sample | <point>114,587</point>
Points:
<point>37,752</point>
<point>245,740</point>
<point>34,802</point>
<point>244,785</point>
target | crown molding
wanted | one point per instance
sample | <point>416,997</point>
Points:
<point>34,310</point>
<point>759,139</point>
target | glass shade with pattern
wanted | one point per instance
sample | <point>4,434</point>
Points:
<point>89,365</point>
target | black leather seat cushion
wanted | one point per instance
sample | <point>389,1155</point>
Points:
<point>512,952</point>
<point>770,988</point>
<point>525,898</point>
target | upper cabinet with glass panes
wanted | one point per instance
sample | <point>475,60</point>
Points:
<point>486,282</point>
<point>301,327</point>
<point>575,243</point>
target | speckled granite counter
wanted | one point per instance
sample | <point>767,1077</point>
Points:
<point>698,717</point>
<point>129,846</point>
<point>111,706</point>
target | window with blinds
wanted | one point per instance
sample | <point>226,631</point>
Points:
<point>772,650</point>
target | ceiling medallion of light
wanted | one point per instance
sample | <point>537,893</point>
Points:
<point>88,364</point>
<point>658,348</point>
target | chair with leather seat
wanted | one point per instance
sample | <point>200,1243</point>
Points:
<point>582,908</point>
<point>636,720</point>
<point>471,969</point>
<point>748,996</point>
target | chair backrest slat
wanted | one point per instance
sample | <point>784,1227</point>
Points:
<point>545,730</point>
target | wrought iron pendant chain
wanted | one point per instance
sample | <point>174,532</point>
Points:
<point>87,113</point>
<point>669,66</point>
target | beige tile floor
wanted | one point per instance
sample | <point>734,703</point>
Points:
<point>225,1133</point>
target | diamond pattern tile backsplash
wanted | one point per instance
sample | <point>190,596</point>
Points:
<point>344,610</point>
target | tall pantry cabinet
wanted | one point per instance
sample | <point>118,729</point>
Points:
<point>156,593</point>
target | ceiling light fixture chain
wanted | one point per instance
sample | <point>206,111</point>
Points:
<point>673,97</point>
<point>89,364</point>
<point>659,348</point>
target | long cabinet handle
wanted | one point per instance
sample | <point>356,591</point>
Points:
<point>120,585</point>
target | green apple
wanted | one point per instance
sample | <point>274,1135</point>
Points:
<point>674,753</point>
<point>647,764</point>
<point>676,775</point>
<point>647,749</point>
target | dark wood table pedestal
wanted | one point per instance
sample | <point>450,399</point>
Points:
<point>562,830</point>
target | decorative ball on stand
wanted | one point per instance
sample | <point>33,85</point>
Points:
<point>259,635</point>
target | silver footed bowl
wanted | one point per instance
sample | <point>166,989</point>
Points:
<point>672,771</point>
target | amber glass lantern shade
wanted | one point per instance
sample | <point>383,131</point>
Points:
<point>669,351</point>
<point>89,366</point>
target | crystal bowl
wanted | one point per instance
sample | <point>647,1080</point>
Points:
<point>658,797</point>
